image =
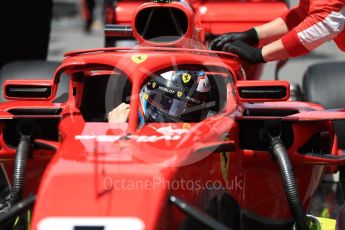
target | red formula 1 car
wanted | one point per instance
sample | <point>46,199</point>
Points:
<point>243,158</point>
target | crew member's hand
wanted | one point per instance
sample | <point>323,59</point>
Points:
<point>250,37</point>
<point>246,52</point>
<point>119,114</point>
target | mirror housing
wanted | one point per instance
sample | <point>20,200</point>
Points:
<point>32,89</point>
<point>262,91</point>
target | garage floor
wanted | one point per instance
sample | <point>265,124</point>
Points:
<point>327,200</point>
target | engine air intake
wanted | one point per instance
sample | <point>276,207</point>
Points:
<point>161,24</point>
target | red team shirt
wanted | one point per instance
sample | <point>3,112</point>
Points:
<point>312,23</point>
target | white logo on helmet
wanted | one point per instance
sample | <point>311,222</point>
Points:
<point>203,85</point>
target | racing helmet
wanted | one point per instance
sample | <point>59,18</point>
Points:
<point>175,96</point>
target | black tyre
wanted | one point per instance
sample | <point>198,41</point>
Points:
<point>325,84</point>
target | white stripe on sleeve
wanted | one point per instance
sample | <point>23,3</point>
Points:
<point>323,31</point>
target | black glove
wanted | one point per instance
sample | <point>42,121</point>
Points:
<point>246,52</point>
<point>250,37</point>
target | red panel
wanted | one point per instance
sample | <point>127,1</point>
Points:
<point>222,17</point>
<point>125,10</point>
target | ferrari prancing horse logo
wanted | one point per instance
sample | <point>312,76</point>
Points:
<point>139,58</point>
<point>179,94</point>
<point>146,96</point>
<point>186,77</point>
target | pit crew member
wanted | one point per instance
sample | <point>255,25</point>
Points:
<point>294,34</point>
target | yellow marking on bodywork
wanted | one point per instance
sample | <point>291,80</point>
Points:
<point>224,163</point>
<point>139,58</point>
<point>326,223</point>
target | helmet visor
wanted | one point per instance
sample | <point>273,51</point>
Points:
<point>174,108</point>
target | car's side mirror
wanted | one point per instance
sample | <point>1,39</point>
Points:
<point>262,91</point>
<point>32,89</point>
